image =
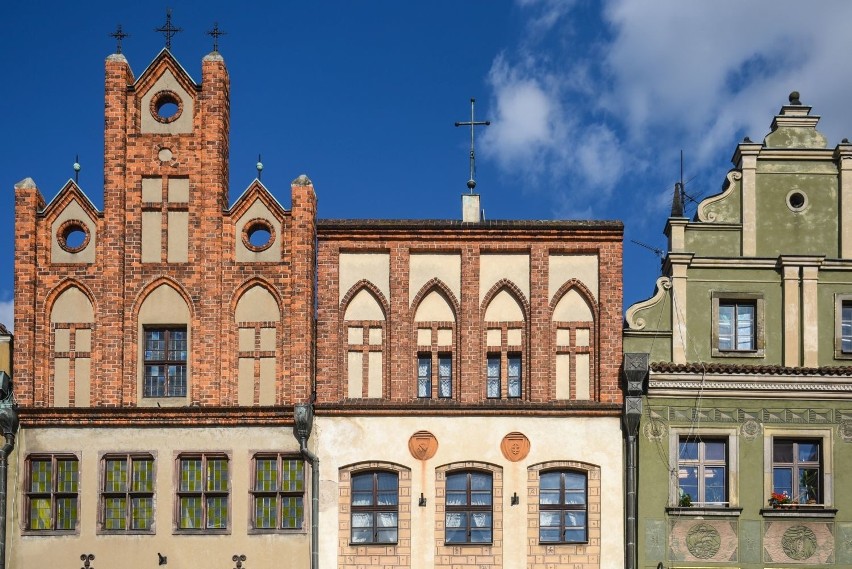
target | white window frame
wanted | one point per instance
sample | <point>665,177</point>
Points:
<point>731,435</point>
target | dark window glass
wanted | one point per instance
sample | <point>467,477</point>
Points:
<point>468,509</point>
<point>737,326</point>
<point>424,375</point>
<point>375,507</point>
<point>562,507</point>
<point>165,362</point>
<point>797,470</point>
<point>702,468</point>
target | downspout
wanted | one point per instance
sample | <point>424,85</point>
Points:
<point>8,426</point>
<point>304,416</point>
<point>635,369</point>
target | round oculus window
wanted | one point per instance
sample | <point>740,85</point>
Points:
<point>797,200</point>
<point>73,236</point>
<point>258,235</point>
<point>166,106</point>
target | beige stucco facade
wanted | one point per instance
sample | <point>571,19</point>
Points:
<point>239,444</point>
<point>471,440</point>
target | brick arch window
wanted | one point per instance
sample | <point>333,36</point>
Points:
<point>574,341</point>
<point>365,331</point>
<point>374,514</point>
<point>564,508</point>
<point>436,335</point>
<point>469,512</point>
<point>506,337</point>
<point>165,347</point>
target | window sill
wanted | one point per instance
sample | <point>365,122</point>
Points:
<point>279,531</point>
<point>717,353</point>
<point>704,512</point>
<point>799,511</point>
<point>50,532</point>
<point>202,532</point>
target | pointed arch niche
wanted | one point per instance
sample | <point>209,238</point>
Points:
<point>258,318</point>
<point>165,342</point>
<point>574,340</point>
<point>435,329</point>
<point>365,332</point>
<point>505,326</point>
<point>71,318</point>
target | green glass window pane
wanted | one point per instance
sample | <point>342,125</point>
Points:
<point>66,513</point>
<point>114,513</point>
<point>66,476</point>
<point>41,476</point>
<point>266,475</point>
<point>190,513</point>
<point>217,512</point>
<point>217,475</point>
<point>115,475</point>
<point>265,512</point>
<point>292,512</point>
<point>190,475</point>
<point>143,475</point>
<point>40,514</point>
<point>142,513</point>
<point>293,477</point>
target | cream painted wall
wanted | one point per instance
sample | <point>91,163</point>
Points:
<point>425,267</point>
<point>344,441</point>
<point>515,268</point>
<point>374,267</point>
<point>265,551</point>
<point>566,267</point>
<point>59,255</point>
<point>364,306</point>
<point>273,253</point>
<point>183,124</point>
<point>434,308</point>
<point>504,308</point>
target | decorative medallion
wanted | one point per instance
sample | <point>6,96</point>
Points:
<point>654,430</point>
<point>845,430</point>
<point>750,429</point>
<point>799,542</point>
<point>423,445</point>
<point>515,446</point>
<point>703,541</point>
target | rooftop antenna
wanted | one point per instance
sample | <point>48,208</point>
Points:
<point>259,167</point>
<point>216,33</point>
<point>76,168</point>
<point>471,183</point>
<point>168,30</point>
<point>655,250</point>
<point>118,35</point>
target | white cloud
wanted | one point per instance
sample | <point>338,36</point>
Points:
<point>592,114</point>
<point>7,311</point>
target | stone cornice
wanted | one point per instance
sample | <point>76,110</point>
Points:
<point>134,417</point>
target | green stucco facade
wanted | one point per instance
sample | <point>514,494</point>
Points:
<point>749,386</point>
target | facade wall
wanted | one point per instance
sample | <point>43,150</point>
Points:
<point>396,301</point>
<point>744,435</point>
<point>171,323</point>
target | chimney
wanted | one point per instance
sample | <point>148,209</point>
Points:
<point>471,212</point>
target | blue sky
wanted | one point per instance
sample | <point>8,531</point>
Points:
<point>591,102</point>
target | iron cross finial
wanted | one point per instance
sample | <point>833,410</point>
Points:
<point>118,35</point>
<point>168,30</point>
<point>471,183</point>
<point>216,33</point>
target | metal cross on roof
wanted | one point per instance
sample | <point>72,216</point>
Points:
<point>472,124</point>
<point>168,30</point>
<point>118,35</point>
<point>216,33</point>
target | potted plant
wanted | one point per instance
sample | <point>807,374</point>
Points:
<point>779,499</point>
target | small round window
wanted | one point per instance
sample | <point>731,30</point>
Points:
<point>166,106</point>
<point>258,235</point>
<point>73,236</point>
<point>797,200</point>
